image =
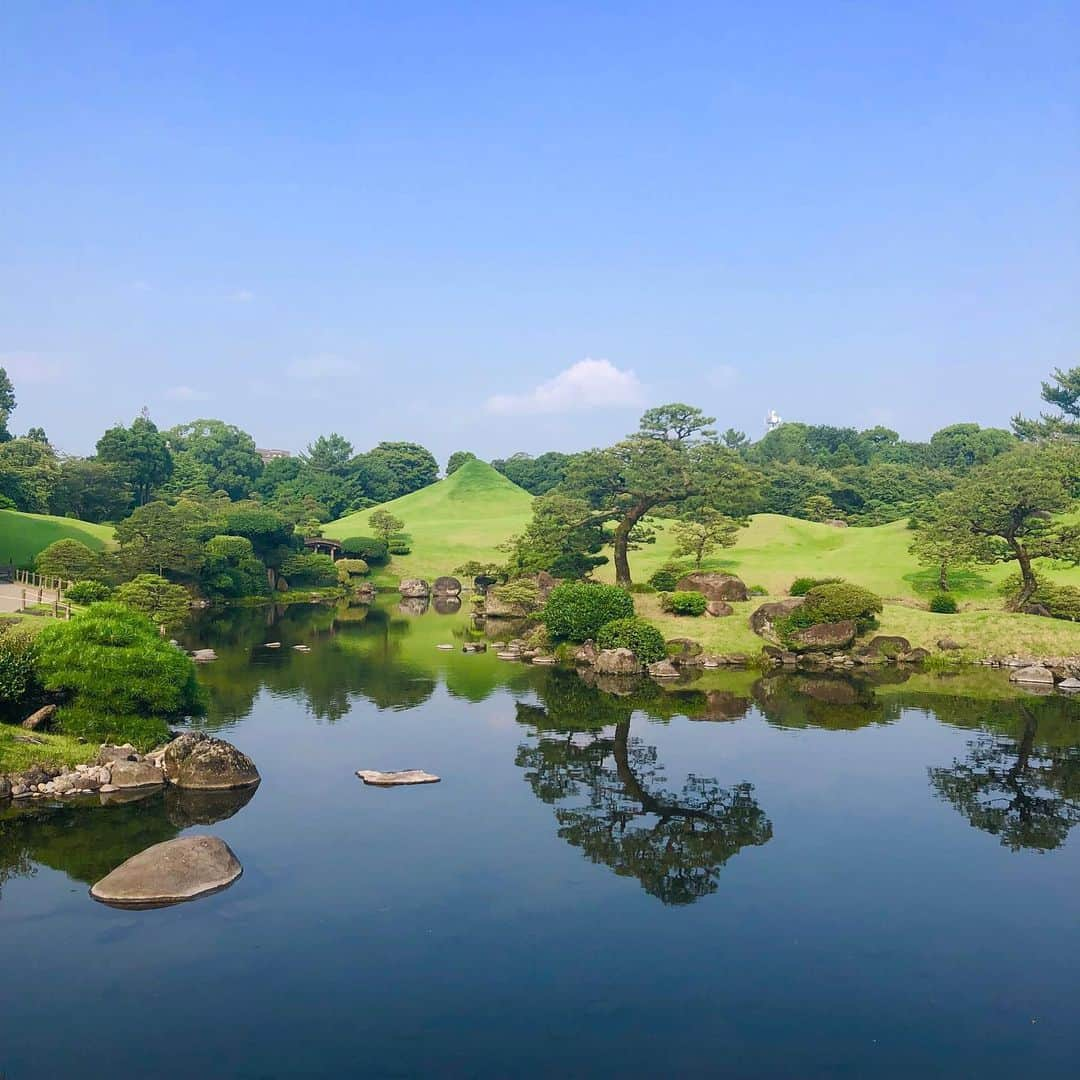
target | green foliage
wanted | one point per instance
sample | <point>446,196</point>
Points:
<point>385,524</point>
<point>667,577</point>
<point>562,538</point>
<point>18,676</point>
<point>163,603</point>
<point>91,490</point>
<point>1061,601</point>
<point>367,548</point>
<point>312,571</point>
<point>400,544</point>
<point>218,454</point>
<point>87,591</point>
<point>28,474</point>
<point>161,538</point>
<point>457,459</point>
<point>576,610</point>
<point>272,535</point>
<point>329,454</point>
<point>757,590</point>
<point>819,508</point>
<point>1063,392</point>
<point>140,454</point>
<point>834,603</point>
<point>944,603</point>
<point>7,404</point>
<point>68,559</point>
<point>347,569</point>
<point>537,475</point>
<point>521,593</point>
<point>231,568</point>
<point>123,679</point>
<point>702,531</point>
<point>684,603</point>
<point>393,469</point>
<point>801,586</point>
<point>638,635</point>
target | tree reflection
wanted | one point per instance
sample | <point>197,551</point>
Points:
<point>612,802</point>
<point>1016,785</point>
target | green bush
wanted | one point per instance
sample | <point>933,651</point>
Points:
<point>833,602</point>
<point>801,586</point>
<point>684,603</point>
<point>944,603</point>
<point>18,676</point>
<point>667,577</point>
<point>369,548</point>
<point>123,680</point>
<point>87,592</point>
<point>400,544</point>
<point>231,568</point>
<point>69,559</point>
<point>159,600</point>
<point>576,610</point>
<point>347,569</point>
<point>313,571</point>
<point>639,636</point>
<point>1062,601</point>
<point>522,593</point>
<point>757,590</point>
<point>639,588</point>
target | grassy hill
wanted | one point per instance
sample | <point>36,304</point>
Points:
<point>22,536</point>
<point>466,516</point>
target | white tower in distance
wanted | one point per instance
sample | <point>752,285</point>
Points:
<point>772,420</point>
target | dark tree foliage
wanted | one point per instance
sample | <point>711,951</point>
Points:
<point>140,454</point>
<point>457,459</point>
<point>221,455</point>
<point>537,475</point>
<point>1063,392</point>
<point>7,404</point>
<point>329,454</point>
<point>90,489</point>
<point>393,469</point>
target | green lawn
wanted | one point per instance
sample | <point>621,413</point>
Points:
<point>16,754</point>
<point>22,536</point>
<point>466,516</point>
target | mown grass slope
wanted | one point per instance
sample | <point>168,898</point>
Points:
<point>465,516</point>
<point>22,536</point>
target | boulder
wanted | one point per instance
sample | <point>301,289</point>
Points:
<point>108,754</point>
<point>683,648</point>
<point>203,656</point>
<point>414,588</point>
<point>544,659</point>
<point>446,586</point>
<point>947,644</point>
<point>134,774</point>
<point>401,778</point>
<point>663,669</point>
<point>913,656</point>
<point>170,873</point>
<point>888,645</point>
<point>825,637</point>
<point>719,609</point>
<point>1036,675</point>
<point>198,760</point>
<point>40,719</point>
<point>617,662</point>
<point>587,654</point>
<point>714,586</point>
<point>764,619</point>
<point>1070,686</point>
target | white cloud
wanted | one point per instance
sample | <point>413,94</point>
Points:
<point>25,367</point>
<point>186,393</point>
<point>322,366</point>
<point>242,296</point>
<point>588,384</point>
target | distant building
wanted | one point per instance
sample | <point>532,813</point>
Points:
<point>772,420</point>
<point>272,455</point>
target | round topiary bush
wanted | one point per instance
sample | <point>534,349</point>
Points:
<point>576,610</point>
<point>637,635</point>
<point>667,577</point>
<point>801,586</point>
<point>87,592</point>
<point>684,603</point>
<point>834,602</point>
<point>368,548</point>
<point>944,604</point>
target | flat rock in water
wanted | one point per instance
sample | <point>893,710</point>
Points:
<point>170,873</point>
<point>135,774</point>
<point>445,648</point>
<point>396,779</point>
<point>1070,686</point>
<point>203,656</point>
<point>1036,675</point>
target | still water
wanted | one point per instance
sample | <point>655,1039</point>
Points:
<point>783,877</point>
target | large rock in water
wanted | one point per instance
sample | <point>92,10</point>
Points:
<point>1036,675</point>
<point>763,620</point>
<point>617,662</point>
<point>825,637</point>
<point>714,586</point>
<point>414,588</point>
<point>170,873</point>
<point>134,774</point>
<point>197,760</point>
<point>447,586</point>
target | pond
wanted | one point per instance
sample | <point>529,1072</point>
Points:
<point>751,876</point>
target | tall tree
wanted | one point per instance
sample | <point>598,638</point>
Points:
<point>140,454</point>
<point>384,524</point>
<point>457,459</point>
<point>1063,392</point>
<point>222,454</point>
<point>393,469</point>
<point>702,531</point>
<point>7,404</point>
<point>1008,509</point>
<point>329,454</point>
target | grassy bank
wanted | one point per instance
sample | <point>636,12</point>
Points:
<point>22,536</point>
<point>17,754</point>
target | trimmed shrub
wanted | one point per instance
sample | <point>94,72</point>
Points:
<point>635,634</point>
<point>400,544</point>
<point>684,603</point>
<point>369,548</point>
<point>123,680</point>
<point>576,610</point>
<point>18,677</point>
<point>155,598</point>
<point>834,602</point>
<point>801,586</point>
<point>667,577</point>
<point>314,571</point>
<point>522,593</point>
<point>232,569</point>
<point>69,559</point>
<point>88,592</point>
<point>347,569</point>
<point>944,604</point>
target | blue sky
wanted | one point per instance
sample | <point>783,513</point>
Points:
<point>500,226</point>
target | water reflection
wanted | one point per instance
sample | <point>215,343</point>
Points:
<point>610,795</point>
